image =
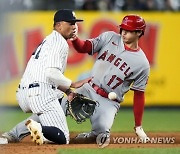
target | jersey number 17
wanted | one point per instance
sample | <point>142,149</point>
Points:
<point>117,81</point>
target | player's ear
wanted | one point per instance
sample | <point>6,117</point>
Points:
<point>57,26</point>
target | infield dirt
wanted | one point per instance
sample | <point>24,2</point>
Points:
<point>28,147</point>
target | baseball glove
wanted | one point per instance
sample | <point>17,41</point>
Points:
<point>81,108</point>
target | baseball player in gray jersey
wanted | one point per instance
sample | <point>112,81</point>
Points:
<point>120,65</point>
<point>43,76</point>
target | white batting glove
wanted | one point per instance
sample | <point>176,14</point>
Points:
<point>141,134</point>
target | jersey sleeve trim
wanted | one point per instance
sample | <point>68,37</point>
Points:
<point>138,89</point>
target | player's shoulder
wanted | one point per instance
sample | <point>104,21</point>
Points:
<point>110,33</point>
<point>144,59</point>
<point>55,37</point>
<point>56,41</point>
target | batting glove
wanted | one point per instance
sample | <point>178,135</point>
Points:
<point>141,134</point>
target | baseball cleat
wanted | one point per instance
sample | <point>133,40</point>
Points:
<point>10,137</point>
<point>84,138</point>
<point>85,135</point>
<point>141,134</point>
<point>3,140</point>
<point>36,131</point>
<point>103,140</point>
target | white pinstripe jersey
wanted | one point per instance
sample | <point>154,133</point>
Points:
<point>43,100</point>
<point>52,52</point>
<point>117,69</point>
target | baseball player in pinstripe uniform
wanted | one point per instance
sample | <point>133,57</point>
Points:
<point>43,76</point>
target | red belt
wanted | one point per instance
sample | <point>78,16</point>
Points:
<point>101,91</point>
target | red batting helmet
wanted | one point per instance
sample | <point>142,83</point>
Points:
<point>133,23</point>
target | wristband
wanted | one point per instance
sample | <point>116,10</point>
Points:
<point>68,91</point>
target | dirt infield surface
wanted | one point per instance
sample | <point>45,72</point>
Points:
<point>118,140</point>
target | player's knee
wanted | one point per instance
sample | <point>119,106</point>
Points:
<point>54,134</point>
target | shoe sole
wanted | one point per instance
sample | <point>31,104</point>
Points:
<point>36,135</point>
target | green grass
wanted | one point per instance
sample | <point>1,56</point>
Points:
<point>10,117</point>
<point>154,120</point>
<point>121,150</point>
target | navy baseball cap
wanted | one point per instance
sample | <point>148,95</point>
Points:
<point>65,15</point>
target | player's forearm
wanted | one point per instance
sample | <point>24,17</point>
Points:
<point>82,46</point>
<point>69,92</point>
<point>138,107</point>
<point>80,83</point>
<point>64,84</point>
<point>55,75</point>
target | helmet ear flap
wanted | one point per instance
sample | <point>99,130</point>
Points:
<point>141,32</point>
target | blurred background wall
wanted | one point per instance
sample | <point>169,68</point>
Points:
<point>24,23</point>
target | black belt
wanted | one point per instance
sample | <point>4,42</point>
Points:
<point>30,86</point>
<point>33,85</point>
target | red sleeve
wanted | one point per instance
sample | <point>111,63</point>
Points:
<point>138,107</point>
<point>82,46</point>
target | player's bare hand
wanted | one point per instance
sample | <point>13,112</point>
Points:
<point>70,96</point>
<point>81,82</point>
<point>75,33</point>
<point>74,37</point>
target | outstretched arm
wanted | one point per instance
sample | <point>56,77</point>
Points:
<point>69,92</point>
<point>82,46</point>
